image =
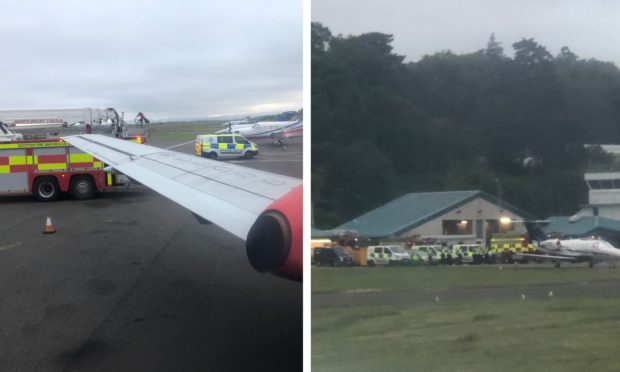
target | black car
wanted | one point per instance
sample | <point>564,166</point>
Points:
<point>337,256</point>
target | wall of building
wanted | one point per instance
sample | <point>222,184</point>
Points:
<point>477,211</point>
<point>611,211</point>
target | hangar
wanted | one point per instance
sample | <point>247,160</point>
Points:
<point>450,216</point>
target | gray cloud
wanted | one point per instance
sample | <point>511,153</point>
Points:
<point>181,58</point>
<point>420,27</point>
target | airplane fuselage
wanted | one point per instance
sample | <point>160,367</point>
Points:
<point>580,249</point>
<point>260,129</point>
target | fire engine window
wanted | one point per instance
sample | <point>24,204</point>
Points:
<point>225,139</point>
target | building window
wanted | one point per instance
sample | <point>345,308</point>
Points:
<point>607,184</point>
<point>458,227</point>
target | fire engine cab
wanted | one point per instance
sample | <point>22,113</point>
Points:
<point>48,167</point>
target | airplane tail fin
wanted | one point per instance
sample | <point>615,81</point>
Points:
<point>534,232</point>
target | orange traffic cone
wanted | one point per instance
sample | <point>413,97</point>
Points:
<point>49,228</point>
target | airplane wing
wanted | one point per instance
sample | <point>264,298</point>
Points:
<point>262,208</point>
<point>550,257</point>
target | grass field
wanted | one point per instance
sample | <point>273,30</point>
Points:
<point>544,335</point>
<point>548,334</point>
<point>181,132</point>
<point>325,280</point>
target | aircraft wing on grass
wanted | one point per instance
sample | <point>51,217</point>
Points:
<point>262,208</point>
<point>549,257</point>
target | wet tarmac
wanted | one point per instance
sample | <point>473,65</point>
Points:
<point>131,281</point>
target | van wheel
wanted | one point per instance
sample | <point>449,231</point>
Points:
<point>248,155</point>
<point>46,189</point>
<point>82,187</point>
<point>212,156</point>
<point>371,263</point>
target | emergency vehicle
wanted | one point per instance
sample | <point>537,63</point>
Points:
<point>214,146</point>
<point>427,254</point>
<point>43,123</point>
<point>58,118</point>
<point>468,253</point>
<point>505,246</point>
<point>388,255</point>
<point>48,167</point>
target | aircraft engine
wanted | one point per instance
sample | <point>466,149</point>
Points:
<point>275,241</point>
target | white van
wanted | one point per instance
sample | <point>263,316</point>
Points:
<point>387,255</point>
<point>214,146</point>
<point>426,253</point>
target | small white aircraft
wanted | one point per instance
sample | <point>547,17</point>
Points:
<point>262,208</point>
<point>257,130</point>
<point>572,250</point>
<point>286,134</point>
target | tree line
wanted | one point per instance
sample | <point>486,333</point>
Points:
<point>514,125</point>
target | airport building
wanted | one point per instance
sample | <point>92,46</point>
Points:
<point>450,216</point>
<point>603,189</point>
<point>601,216</point>
<point>585,226</point>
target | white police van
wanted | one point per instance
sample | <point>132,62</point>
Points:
<point>388,255</point>
<point>214,146</point>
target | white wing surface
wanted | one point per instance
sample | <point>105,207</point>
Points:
<point>550,257</point>
<point>228,195</point>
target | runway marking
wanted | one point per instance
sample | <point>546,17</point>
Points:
<point>365,290</point>
<point>10,246</point>
<point>179,145</point>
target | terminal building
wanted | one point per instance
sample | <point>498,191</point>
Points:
<point>603,189</point>
<point>449,216</point>
<point>601,216</point>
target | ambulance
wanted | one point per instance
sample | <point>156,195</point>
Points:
<point>216,146</point>
<point>48,167</point>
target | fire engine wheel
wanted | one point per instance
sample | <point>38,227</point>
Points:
<point>82,187</point>
<point>248,155</point>
<point>46,189</point>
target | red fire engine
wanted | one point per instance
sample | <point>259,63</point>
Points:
<point>46,168</point>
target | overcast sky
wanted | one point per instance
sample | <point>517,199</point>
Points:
<point>591,29</point>
<point>168,59</point>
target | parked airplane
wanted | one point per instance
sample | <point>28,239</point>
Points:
<point>262,208</point>
<point>572,250</point>
<point>288,134</point>
<point>260,129</point>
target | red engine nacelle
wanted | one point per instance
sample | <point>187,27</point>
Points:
<point>275,240</point>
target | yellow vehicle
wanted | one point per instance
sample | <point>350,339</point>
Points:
<point>468,253</point>
<point>215,146</point>
<point>505,246</point>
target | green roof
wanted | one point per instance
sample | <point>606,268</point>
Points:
<point>414,209</point>
<point>318,233</point>
<point>585,225</point>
